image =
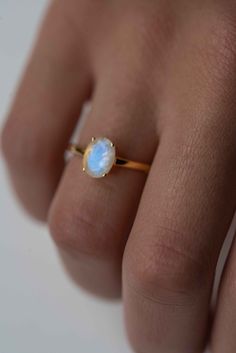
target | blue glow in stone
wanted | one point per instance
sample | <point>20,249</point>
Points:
<point>100,158</point>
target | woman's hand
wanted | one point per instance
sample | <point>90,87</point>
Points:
<point>162,79</point>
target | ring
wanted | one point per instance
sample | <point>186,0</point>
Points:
<point>99,157</point>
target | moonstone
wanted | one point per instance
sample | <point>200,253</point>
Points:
<point>99,157</point>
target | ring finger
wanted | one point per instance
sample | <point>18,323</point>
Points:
<point>91,218</point>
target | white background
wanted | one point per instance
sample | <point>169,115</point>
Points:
<point>41,311</point>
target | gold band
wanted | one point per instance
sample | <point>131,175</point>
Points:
<point>119,162</point>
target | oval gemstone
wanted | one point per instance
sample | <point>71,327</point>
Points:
<point>99,157</point>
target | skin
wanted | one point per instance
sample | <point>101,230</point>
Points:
<point>162,79</point>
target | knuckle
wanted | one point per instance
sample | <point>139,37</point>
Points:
<point>77,229</point>
<point>167,274</point>
<point>69,230</point>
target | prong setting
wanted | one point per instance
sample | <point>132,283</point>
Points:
<point>99,157</point>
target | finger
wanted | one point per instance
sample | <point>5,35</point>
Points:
<point>187,205</point>
<point>45,111</point>
<point>223,332</point>
<point>91,218</point>
<point>173,247</point>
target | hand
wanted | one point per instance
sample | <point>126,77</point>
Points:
<point>162,79</point>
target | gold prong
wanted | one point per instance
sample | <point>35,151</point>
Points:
<point>93,139</point>
<point>83,169</point>
<point>104,175</point>
<point>112,144</point>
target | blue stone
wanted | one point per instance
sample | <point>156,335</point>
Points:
<point>99,157</point>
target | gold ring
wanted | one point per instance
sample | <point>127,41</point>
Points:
<point>100,156</point>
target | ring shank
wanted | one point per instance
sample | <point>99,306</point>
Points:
<point>120,162</point>
<point>125,163</point>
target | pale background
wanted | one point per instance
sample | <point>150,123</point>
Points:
<point>41,311</point>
